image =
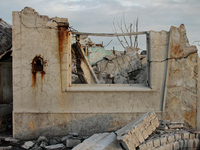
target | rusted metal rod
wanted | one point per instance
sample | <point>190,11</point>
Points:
<point>109,34</point>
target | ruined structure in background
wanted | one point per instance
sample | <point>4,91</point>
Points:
<point>110,66</point>
<point>5,36</point>
<point>46,102</point>
<point>5,76</point>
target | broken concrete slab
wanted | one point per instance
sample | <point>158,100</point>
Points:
<point>55,147</point>
<point>72,142</point>
<point>12,140</point>
<point>102,141</point>
<point>28,145</point>
<point>143,125</point>
<point>84,69</point>
<point>6,148</point>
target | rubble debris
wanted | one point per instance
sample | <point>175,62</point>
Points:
<point>176,125</point>
<point>5,36</point>
<point>6,148</point>
<point>72,142</point>
<point>138,130</point>
<point>11,140</point>
<point>28,145</point>
<point>145,132</point>
<point>125,68</point>
<point>55,147</point>
<point>115,68</point>
<point>42,139</point>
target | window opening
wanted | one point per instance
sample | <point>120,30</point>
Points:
<point>102,59</point>
<point>37,64</point>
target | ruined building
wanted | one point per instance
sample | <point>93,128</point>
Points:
<point>47,102</point>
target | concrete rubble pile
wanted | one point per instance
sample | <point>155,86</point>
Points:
<point>145,132</point>
<point>5,36</point>
<point>119,67</point>
<point>5,56</point>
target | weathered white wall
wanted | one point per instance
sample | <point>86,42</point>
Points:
<point>42,107</point>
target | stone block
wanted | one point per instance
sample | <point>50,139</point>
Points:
<point>192,136</point>
<point>186,143</point>
<point>144,132</point>
<point>163,147</point>
<point>43,144</point>
<point>197,135</point>
<point>66,137</point>
<point>185,135</point>
<point>169,146</point>
<point>72,142</point>
<point>149,143</point>
<point>42,138</point>
<point>143,146</point>
<point>191,143</point>
<point>177,136</point>
<point>150,129</point>
<point>28,145</point>
<point>155,122</point>
<point>139,136</point>
<point>12,140</point>
<point>176,125</point>
<point>196,143</point>
<point>55,147</point>
<point>181,144</point>
<point>163,140</point>
<point>6,148</point>
<point>156,142</point>
<point>171,138</point>
<point>176,145</point>
<point>126,136</point>
<point>102,141</point>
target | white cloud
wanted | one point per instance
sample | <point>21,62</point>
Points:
<point>98,15</point>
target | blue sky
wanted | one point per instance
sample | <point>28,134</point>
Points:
<point>98,15</point>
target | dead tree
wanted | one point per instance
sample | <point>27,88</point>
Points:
<point>121,26</point>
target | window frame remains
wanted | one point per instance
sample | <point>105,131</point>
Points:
<point>107,87</point>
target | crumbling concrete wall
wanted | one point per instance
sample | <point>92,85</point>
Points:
<point>182,79</point>
<point>46,103</point>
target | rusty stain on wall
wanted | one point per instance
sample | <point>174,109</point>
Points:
<point>63,38</point>
<point>176,51</point>
<point>190,118</point>
<point>31,125</point>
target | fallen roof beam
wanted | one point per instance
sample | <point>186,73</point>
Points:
<point>110,34</point>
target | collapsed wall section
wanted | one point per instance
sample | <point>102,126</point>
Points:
<point>44,102</point>
<point>182,79</point>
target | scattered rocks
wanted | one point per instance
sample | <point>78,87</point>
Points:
<point>6,148</point>
<point>145,132</point>
<point>42,139</point>
<point>55,147</point>
<point>28,145</point>
<point>12,140</point>
<point>72,142</point>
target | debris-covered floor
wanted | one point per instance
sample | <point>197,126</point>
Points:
<point>145,132</point>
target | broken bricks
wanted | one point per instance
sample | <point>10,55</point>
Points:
<point>130,136</point>
<point>143,126</point>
